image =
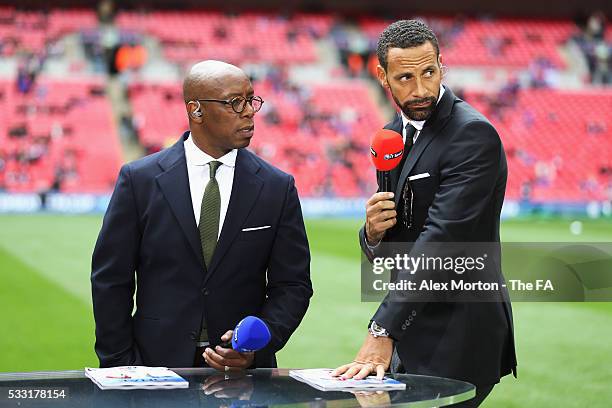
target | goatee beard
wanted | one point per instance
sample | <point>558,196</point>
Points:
<point>418,114</point>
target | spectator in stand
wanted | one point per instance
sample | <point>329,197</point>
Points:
<point>37,149</point>
<point>497,45</point>
<point>541,73</point>
<point>526,190</point>
<point>505,98</point>
<point>25,78</point>
<point>509,93</point>
<point>595,48</point>
<point>545,173</point>
<point>595,127</point>
<point>66,170</point>
<point>106,11</point>
<point>590,184</point>
<point>271,115</point>
<point>596,26</point>
<point>220,32</point>
<point>602,56</point>
<point>277,77</point>
<point>2,162</point>
<point>355,64</point>
<point>528,118</point>
<point>130,57</point>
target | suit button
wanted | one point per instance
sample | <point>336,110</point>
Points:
<point>193,335</point>
<point>205,291</point>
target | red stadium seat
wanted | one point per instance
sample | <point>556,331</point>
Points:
<point>559,141</point>
<point>89,132</point>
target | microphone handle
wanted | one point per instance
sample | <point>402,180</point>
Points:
<point>384,181</point>
<point>226,344</point>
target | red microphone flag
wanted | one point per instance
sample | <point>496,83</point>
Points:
<point>387,149</point>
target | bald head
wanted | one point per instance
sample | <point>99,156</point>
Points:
<point>205,76</point>
<point>209,90</point>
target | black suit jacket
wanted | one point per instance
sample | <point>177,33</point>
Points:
<point>149,240</point>
<point>460,202</point>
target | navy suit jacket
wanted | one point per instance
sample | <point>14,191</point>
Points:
<point>149,245</point>
<point>459,202</point>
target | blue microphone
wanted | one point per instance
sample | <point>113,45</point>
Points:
<point>251,334</point>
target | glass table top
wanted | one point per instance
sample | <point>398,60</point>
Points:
<point>209,388</point>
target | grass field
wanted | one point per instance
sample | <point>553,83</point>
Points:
<point>564,350</point>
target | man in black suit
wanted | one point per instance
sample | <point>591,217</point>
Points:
<point>209,233</point>
<point>449,188</point>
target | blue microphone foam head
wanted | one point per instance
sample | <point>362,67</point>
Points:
<point>250,334</point>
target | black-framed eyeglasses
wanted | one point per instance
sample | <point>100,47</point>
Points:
<point>238,103</point>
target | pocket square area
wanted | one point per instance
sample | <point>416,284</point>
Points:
<point>418,176</point>
<point>256,228</point>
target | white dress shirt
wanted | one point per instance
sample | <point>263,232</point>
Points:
<point>198,170</point>
<point>418,124</point>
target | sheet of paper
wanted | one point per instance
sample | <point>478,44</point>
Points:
<point>135,377</point>
<point>321,379</point>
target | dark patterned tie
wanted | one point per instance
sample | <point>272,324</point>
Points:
<point>209,215</point>
<point>407,195</point>
<point>210,211</point>
<point>408,143</point>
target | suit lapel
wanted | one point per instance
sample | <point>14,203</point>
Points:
<point>431,128</point>
<point>174,184</point>
<point>425,137</point>
<point>245,191</point>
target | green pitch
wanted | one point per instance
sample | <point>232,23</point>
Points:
<point>564,350</point>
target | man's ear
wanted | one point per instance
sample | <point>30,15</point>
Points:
<point>194,110</point>
<point>443,68</point>
<point>382,76</point>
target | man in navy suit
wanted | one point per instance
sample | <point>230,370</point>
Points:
<point>449,188</point>
<point>204,233</point>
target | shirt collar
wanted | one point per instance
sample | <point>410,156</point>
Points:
<point>197,157</point>
<point>418,124</point>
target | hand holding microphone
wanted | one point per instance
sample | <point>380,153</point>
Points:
<point>387,150</point>
<point>238,349</point>
<point>380,216</point>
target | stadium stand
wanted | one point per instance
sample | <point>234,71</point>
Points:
<point>33,31</point>
<point>493,42</point>
<point>248,37</point>
<point>558,143</point>
<point>59,133</point>
<point>59,136</point>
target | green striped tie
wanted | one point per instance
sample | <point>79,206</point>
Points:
<point>209,215</point>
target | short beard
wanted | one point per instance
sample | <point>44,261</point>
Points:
<point>416,114</point>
